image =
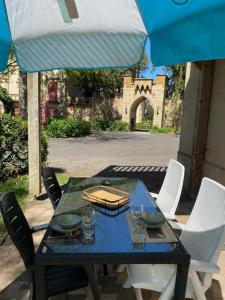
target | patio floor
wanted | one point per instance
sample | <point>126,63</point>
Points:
<point>14,283</point>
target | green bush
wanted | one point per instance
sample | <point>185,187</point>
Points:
<point>144,125</point>
<point>102,125</point>
<point>6,100</point>
<point>155,129</point>
<point>14,147</point>
<point>120,126</point>
<point>110,125</point>
<point>58,128</point>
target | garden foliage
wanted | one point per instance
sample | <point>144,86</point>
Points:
<point>14,147</point>
<point>62,128</point>
<point>6,100</point>
<point>109,125</point>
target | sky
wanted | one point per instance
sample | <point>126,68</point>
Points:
<point>149,72</point>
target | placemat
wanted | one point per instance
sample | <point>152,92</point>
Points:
<point>60,239</point>
<point>164,234</point>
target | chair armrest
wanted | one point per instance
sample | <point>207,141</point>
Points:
<point>177,226</point>
<point>202,266</point>
<point>39,228</point>
<point>169,216</point>
<point>154,195</point>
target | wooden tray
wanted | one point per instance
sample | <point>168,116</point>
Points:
<point>106,196</point>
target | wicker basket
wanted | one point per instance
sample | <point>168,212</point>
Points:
<point>106,196</point>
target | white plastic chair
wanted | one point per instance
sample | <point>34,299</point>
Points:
<point>203,236</point>
<point>169,195</point>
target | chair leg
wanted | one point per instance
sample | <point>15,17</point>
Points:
<point>121,268</point>
<point>138,294</point>
<point>105,270</point>
<point>168,291</point>
<point>32,295</point>
<point>127,284</point>
<point>197,286</point>
<point>90,295</point>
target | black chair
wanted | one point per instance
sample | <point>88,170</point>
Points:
<point>60,279</point>
<point>52,186</point>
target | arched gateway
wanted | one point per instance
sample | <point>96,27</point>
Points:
<point>140,93</point>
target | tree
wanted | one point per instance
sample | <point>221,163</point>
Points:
<point>176,90</point>
<point>177,82</point>
<point>6,100</point>
<point>104,83</point>
<point>149,114</point>
<point>141,67</point>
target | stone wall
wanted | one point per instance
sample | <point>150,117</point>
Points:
<point>96,108</point>
<point>130,106</point>
<point>172,113</point>
<point>215,150</point>
<point>202,143</point>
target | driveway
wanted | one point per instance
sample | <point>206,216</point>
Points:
<point>89,155</point>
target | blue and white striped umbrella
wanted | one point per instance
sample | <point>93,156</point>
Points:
<point>89,34</point>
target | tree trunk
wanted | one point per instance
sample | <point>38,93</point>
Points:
<point>23,94</point>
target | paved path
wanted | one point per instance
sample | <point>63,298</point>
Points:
<point>90,155</point>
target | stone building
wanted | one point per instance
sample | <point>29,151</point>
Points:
<point>130,106</point>
<point>202,142</point>
<point>138,94</point>
<point>11,84</point>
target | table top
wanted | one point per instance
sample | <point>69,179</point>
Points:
<point>113,242</point>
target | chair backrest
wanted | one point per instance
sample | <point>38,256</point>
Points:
<point>52,186</point>
<point>17,227</point>
<point>204,233</point>
<point>171,189</point>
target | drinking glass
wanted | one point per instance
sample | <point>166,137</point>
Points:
<point>137,210</point>
<point>139,232</point>
<point>88,222</point>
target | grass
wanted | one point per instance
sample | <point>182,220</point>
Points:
<point>144,125</point>
<point>154,129</point>
<point>20,187</point>
<point>62,178</point>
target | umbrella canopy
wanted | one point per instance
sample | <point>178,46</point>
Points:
<point>89,34</point>
<point>4,38</point>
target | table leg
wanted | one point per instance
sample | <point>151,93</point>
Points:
<point>93,280</point>
<point>40,283</point>
<point>181,282</point>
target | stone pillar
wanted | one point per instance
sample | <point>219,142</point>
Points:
<point>214,161</point>
<point>158,95</point>
<point>34,152</point>
<point>196,111</point>
<point>128,94</point>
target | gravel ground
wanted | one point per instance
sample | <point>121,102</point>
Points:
<point>89,155</point>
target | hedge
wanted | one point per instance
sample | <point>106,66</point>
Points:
<point>110,125</point>
<point>14,147</point>
<point>57,128</point>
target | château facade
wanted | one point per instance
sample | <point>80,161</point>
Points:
<point>57,99</point>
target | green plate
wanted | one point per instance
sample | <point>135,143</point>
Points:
<point>67,222</point>
<point>153,219</point>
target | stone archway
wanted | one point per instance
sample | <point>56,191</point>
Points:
<point>133,112</point>
<point>136,91</point>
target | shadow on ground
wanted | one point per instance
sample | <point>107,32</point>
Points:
<point>152,176</point>
<point>17,289</point>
